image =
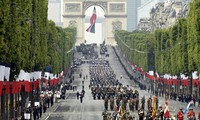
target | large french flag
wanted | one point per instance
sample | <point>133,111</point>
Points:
<point>93,18</point>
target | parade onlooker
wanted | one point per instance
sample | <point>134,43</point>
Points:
<point>40,110</point>
<point>15,114</point>
<point>44,107</point>
<point>35,113</point>
<point>22,114</point>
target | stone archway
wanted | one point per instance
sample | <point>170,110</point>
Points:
<point>115,16</point>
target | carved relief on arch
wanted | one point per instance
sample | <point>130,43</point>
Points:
<point>72,23</point>
<point>117,7</point>
<point>116,25</point>
<point>102,4</point>
<point>73,7</point>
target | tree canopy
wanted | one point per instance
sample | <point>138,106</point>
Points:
<point>174,50</point>
<point>29,41</point>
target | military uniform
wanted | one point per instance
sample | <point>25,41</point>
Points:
<point>191,115</point>
<point>143,102</point>
<point>128,116</point>
<point>111,103</point>
<point>109,117</point>
<point>106,103</point>
<point>149,103</point>
<point>136,104</point>
<point>131,104</point>
<point>105,115</point>
<point>149,115</point>
<point>160,112</point>
<point>141,114</point>
<point>180,115</point>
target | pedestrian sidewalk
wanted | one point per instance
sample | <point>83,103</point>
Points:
<point>50,110</point>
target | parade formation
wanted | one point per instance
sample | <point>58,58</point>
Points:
<point>100,85</point>
<point>122,102</point>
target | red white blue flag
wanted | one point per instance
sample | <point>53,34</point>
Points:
<point>190,105</point>
<point>91,28</point>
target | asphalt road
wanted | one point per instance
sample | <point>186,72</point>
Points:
<point>72,109</point>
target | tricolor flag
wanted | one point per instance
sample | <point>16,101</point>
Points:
<point>46,76</point>
<point>190,105</point>
<point>2,73</point>
<point>27,81</point>
<point>91,28</point>
<point>37,76</point>
<point>195,78</point>
<point>7,78</point>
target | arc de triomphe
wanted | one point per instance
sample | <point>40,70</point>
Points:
<point>115,17</point>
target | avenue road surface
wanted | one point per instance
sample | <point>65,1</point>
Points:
<point>71,108</point>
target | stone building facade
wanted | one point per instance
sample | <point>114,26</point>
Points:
<point>164,15</point>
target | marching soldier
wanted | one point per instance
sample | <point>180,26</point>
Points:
<point>109,116</point>
<point>143,102</point>
<point>141,113</point>
<point>117,102</point>
<point>106,103</point>
<point>149,103</point>
<point>105,115</point>
<point>191,114</point>
<point>111,103</point>
<point>94,96</point>
<point>136,103</point>
<point>124,100</point>
<point>128,117</point>
<point>180,115</point>
<point>131,103</point>
<point>149,115</point>
<point>160,112</point>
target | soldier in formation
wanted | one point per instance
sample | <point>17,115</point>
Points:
<point>141,113</point>
<point>104,85</point>
<point>191,114</point>
<point>180,115</point>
